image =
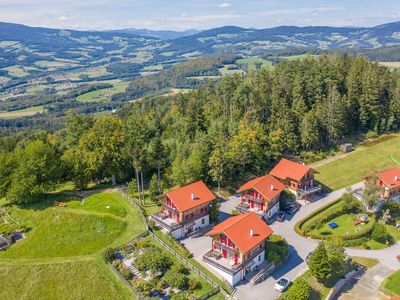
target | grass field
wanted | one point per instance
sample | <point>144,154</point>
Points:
<point>101,95</point>
<point>21,112</point>
<point>74,280</point>
<point>253,61</point>
<point>391,64</point>
<point>363,161</point>
<point>61,256</point>
<point>392,284</point>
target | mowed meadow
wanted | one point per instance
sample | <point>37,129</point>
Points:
<point>61,256</point>
<point>366,159</point>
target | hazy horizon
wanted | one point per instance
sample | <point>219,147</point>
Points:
<point>184,15</point>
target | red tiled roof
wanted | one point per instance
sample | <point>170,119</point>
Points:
<point>238,229</point>
<point>268,186</point>
<point>182,197</point>
<point>287,168</point>
<point>389,177</point>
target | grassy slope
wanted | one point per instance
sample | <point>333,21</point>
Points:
<point>366,159</point>
<point>63,249</point>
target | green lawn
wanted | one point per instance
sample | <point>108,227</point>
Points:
<point>363,161</point>
<point>102,203</point>
<point>346,226</point>
<point>101,95</point>
<point>61,257</point>
<point>77,280</point>
<point>392,284</point>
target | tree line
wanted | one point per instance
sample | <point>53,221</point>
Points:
<point>224,132</point>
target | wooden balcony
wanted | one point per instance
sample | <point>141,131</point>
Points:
<point>308,190</point>
<point>226,247</point>
<point>162,220</point>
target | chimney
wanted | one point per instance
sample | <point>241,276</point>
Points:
<point>396,178</point>
<point>193,196</point>
<point>251,232</point>
<point>304,164</point>
<point>272,187</point>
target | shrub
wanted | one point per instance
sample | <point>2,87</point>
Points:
<point>125,272</point>
<point>142,286</point>
<point>176,245</point>
<point>180,269</point>
<point>176,279</point>
<point>152,259</point>
<point>194,284</point>
<point>160,284</point>
<point>234,212</point>
<point>108,254</point>
<point>276,249</point>
<point>380,234</point>
<point>300,290</point>
<point>371,134</point>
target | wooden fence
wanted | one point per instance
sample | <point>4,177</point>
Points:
<point>187,263</point>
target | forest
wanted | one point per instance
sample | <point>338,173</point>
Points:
<point>224,132</point>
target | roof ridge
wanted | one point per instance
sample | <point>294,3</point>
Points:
<point>244,216</point>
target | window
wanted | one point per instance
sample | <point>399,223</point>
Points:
<point>260,246</point>
<point>203,221</point>
<point>259,258</point>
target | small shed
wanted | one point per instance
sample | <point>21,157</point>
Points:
<point>5,242</point>
<point>346,147</point>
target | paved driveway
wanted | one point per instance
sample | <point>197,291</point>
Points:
<point>367,286</point>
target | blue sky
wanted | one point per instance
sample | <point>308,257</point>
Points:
<point>200,14</point>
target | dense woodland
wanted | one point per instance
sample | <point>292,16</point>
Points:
<point>224,132</point>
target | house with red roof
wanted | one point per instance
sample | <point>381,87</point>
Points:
<point>261,195</point>
<point>184,210</point>
<point>389,180</point>
<point>238,248</point>
<point>298,178</point>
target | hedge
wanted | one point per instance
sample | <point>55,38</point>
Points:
<point>299,225</point>
<point>329,212</point>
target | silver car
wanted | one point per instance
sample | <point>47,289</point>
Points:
<point>282,284</point>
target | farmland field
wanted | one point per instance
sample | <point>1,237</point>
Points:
<point>364,160</point>
<point>102,94</point>
<point>21,112</point>
<point>391,64</point>
<point>61,256</point>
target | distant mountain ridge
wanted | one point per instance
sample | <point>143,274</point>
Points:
<point>160,34</point>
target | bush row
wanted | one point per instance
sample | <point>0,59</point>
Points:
<point>299,225</point>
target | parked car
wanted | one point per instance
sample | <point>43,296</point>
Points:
<point>292,209</point>
<point>280,217</point>
<point>282,284</point>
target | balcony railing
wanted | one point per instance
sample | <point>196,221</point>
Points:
<point>163,221</point>
<point>216,260</point>
<point>309,190</point>
<point>174,210</point>
<point>251,198</point>
<point>226,247</point>
<point>245,208</point>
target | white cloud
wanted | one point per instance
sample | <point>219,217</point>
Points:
<point>63,18</point>
<point>224,5</point>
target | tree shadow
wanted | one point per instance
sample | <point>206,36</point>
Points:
<point>48,201</point>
